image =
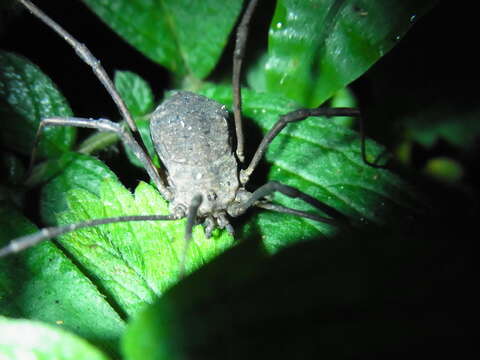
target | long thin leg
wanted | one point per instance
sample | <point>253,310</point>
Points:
<point>295,212</point>
<point>123,134</point>
<point>273,186</point>
<point>85,54</point>
<point>24,242</point>
<point>191,219</point>
<point>238,55</point>
<point>363,146</point>
<point>294,116</point>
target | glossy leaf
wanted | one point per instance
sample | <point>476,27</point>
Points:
<point>317,47</point>
<point>26,96</point>
<point>22,339</point>
<point>184,36</point>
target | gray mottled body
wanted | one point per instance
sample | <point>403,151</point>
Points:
<point>191,137</point>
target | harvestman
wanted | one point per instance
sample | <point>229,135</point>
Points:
<point>190,134</point>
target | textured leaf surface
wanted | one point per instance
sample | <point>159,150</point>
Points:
<point>26,96</point>
<point>317,47</point>
<point>23,339</point>
<point>185,36</point>
<point>132,262</point>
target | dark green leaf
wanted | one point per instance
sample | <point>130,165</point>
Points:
<point>22,339</point>
<point>184,36</point>
<point>317,47</point>
<point>12,167</point>
<point>156,333</point>
<point>454,123</point>
<point>338,299</point>
<point>27,96</point>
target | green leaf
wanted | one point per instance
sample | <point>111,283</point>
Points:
<point>22,339</point>
<point>184,36</point>
<point>133,263</point>
<point>43,284</point>
<point>138,96</point>
<point>317,47</point>
<point>343,98</point>
<point>75,171</point>
<point>324,160</point>
<point>135,92</point>
<point>27,96</point>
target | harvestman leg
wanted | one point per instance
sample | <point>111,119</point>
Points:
<point>27,241</point>
<point>275,186</point>
<point>107,125</point>
<point>85,55</point>
<point>270,187</point>
<point>24,242</point>
<point>238,55</point>
<point>191,220</point>
<point>294,116</point>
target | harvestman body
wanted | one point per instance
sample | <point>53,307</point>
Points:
<point>191,136</point>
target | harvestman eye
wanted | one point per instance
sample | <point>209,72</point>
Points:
<point>206,177</point>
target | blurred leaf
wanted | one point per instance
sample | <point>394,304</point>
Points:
<point>22,339</point>
<point>444,169</point>
<point>339,299</point>
<point>456,124</point>
<point>12,168</point>
<point>343,98</point>
<point>184,36</point>
<point>317,47</point>
<point>27,96</point>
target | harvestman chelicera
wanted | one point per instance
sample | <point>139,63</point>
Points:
<point>206,179</point>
